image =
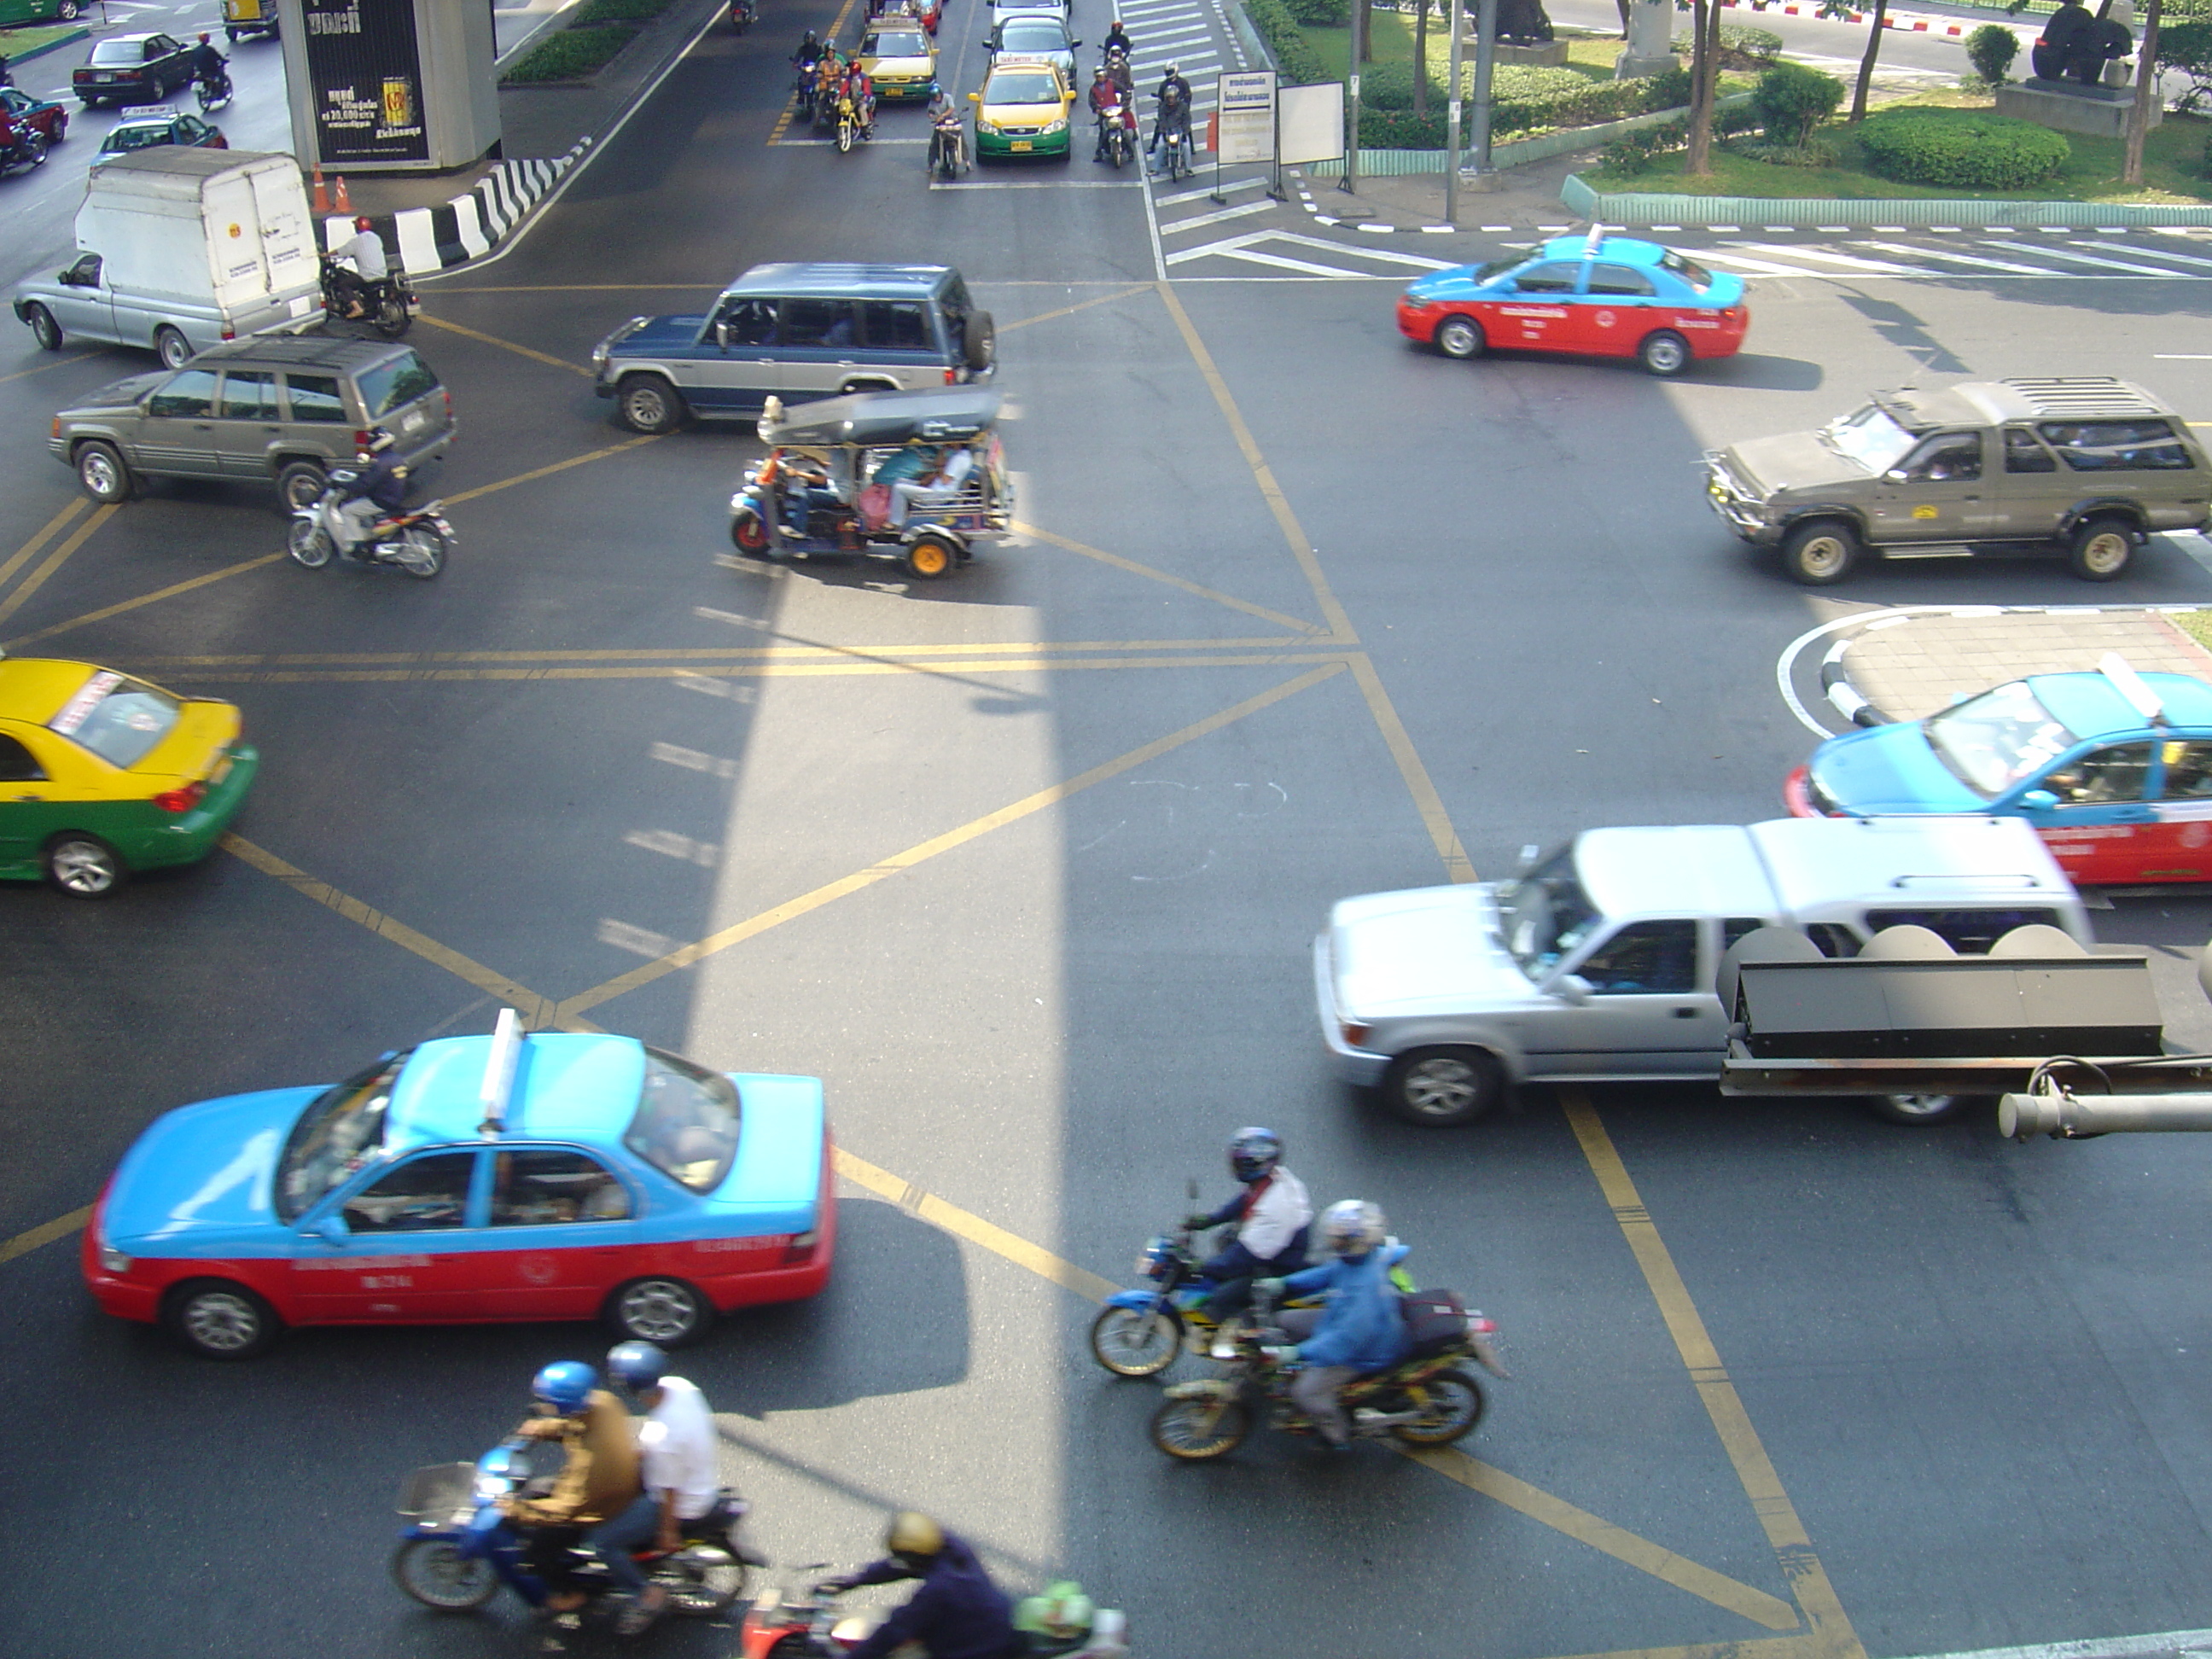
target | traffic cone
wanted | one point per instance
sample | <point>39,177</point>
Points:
<point>341,204</point>
<point>322,194</point>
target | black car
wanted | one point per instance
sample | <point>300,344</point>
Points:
<point>133,69</point>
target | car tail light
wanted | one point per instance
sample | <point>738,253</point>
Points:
<point>1355,1034</point>
<point>181,800</point>
<point>1477,1326</point>
<point>361,440</point>
<point>449,402</point>
<point>800,1246</point>
<point>230,334</point>
<point>951,376</point>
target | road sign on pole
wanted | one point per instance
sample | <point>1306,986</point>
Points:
<point>1244,126</point>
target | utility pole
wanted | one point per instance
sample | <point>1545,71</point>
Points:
<point>1451,114</point>
<point>1486,43</point>
<point>1351,179</point>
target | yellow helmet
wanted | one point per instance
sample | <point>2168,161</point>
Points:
<point>914,1534</point>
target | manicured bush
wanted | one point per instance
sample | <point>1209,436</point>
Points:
<point>1813,153</point>
<point>1668,89</point>
<point>1321,14</point>
<point>1390,85</point>
<point>1743,47</point>
<point>617,11</point>
<point>1961,148</point>
<point>570,54</point>
<point>1790,99</point>
<point>1990,49</point>
<point>2186,49</point>
<point>1632,152</point>
<point>1295,58</point>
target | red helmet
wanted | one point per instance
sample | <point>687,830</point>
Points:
<point>363,223</point>
<point>203,39</point>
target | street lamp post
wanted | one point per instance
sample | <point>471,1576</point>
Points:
<point>1486,43</point>
<point>1451,114</point>
<point>1351,179</point>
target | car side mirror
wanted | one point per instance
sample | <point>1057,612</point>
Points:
<point>722,336</point>
<point>1896,475</point>
<point>1074,43</point>
<point>1572,987</point>
<point>332,1229</point>
<point>2038,800</point>
<point>975,97</point>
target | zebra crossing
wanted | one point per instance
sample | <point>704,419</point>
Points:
<point>2104,254</point>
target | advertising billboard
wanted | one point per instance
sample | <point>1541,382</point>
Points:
<point>365,80</point>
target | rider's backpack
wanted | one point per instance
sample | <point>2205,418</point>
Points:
<point>1435,1319</point>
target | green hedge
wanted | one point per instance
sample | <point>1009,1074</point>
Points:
<point>1961,148</point>
<point>570,54</point>
<point>1792,98</point>
<point>1743,47</point>
<point>617,11</point>
<point>1300,64</point>
<point>1321,14</point>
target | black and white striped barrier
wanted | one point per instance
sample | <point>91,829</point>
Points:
<point>1836,684</point>
<point>467,227</point>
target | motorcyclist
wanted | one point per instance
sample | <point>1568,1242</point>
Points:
<point>1361,1328</point>
<point>1174,99</point>
<point>1272,1215</point>
<point>1104,96</point>
<point>597,1484</point>
<point>357,264</point>
<point>1118,71</point>
<point>809,52</point>
<point>957,1614</point>
<point>861,89</point>
<point>379,489</point>
<point>208,65</point>
<point>1117,39</point>
<point>944,122</point>
<point>678,1466</point>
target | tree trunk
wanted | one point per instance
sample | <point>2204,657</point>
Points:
<point>1699,160</point>
<point>2146,94</point>
<point>1421,57</point>
<point>1366,31</point>
<point>1866,64</point>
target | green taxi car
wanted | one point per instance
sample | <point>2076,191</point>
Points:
<point>1022,110</point>
<point>900,57</point>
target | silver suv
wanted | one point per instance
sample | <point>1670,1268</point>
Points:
<point>278,409</point>
<point>2089,467</point>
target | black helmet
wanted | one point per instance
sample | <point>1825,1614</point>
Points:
<point>1253,1153</point>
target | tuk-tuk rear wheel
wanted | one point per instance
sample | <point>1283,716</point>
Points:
<point>932,556</point>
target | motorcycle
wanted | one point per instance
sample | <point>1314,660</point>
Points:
<point>742,16</point>
<point>213,91</point>
<point>457,1548</point>
<point>1428,1399</point>
<point>21,144</point>
<point>1120,135</point>
<point>849,125</point>
<point>801,1622</point>
<point>806,85</point>
<point>1175,163</point>
<point>948,150</point>
<point>416,542</point>
<point>388,303</point>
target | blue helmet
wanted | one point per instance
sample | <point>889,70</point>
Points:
<point>636,1366</point>
<point>1253,1153</point>
<point>565,1385</point>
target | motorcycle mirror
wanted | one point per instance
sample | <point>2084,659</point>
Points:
<point>1190,1188</point>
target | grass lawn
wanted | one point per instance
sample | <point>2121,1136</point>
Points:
<point>1393,43</point>
<point>19,42</point>
<point>2197,624</point>
<point>2174,170</point>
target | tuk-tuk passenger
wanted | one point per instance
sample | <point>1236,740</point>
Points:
<point>939,487</point>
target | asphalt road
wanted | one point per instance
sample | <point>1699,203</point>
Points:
<point>1782,1375</point>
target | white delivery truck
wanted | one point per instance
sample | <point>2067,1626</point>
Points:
<point>181,249</point>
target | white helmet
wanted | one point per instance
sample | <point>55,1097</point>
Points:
<point>1352,1226</point>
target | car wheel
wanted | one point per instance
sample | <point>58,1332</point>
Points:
<point>1443,1088</point>
<point>171,347</point>
<point>1665,353</point>
<point>979,341</point>
<point>649,404</point>
<point>1922,1111</point>
<point>103,472</point>
<point>300,483</point>
<point>2102,549</point>
<point>666,1312</point>
<point>1459,336</point>
<point>931,556</point>
<point>44,329</point>
<point>60,128</point>
<point>66,11</point>
<point>83,865</point>
<point>1819,553</point>
<point>218,1319</point>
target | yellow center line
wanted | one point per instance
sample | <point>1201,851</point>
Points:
<point>897,863</point>
<point>590,287</point>
<point>1808,1578</point>
<point>537,1011</point>
<point>54,560</point>
<point>168,592</point>
<point>1069,311</point>
<point>737,671</point>
<point>1184,582</point>
<point>47,531</point>
<point>534,356</point>
<point>702,654</point>
<point>973,1228</point>
<point>44,1233</point>
<point>20,373</point>
<point>537,473</point>
<point>1426,801</point>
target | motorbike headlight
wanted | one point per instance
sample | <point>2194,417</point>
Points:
<point>1144,1264</point>
<point>489,1487</point>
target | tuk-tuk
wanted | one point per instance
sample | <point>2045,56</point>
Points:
<point>243,17</point>
<point>914,476</point>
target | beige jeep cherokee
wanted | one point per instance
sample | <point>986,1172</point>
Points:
<point>2088,466</point>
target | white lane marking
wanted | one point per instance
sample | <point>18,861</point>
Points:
<point>1959,258</point>
<point>1193,195</point>
<point>1416,261</point>
<point>1281,263</point>
<point>868,143</point>
<point>2163,253</point>
<point>2114,264</point>
<point>1170,226</point>
<point>2180,357</point>
<point>1879,267</point>
<point>2118,1647</point>
<point>1042,184</point>
<point>1756,267</point>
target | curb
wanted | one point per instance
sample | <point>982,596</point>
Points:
<point>1306,201</point>
<point>1849,701</point>
<point>68,39</point>
<point>467,227</point>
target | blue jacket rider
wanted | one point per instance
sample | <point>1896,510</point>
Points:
<point>1271,1214</point>
<point>957,1614</point>
<point>1361,1329</point>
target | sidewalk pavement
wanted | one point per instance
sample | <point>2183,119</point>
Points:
<point>1910,667</point>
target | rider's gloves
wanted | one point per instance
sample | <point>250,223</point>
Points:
<point>1194,1222</point>
<point>832,1586</point>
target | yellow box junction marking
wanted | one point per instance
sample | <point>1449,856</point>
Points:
<point>54,560</point>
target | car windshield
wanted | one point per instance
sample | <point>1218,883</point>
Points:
<point>1497,267</point>
<point>387,386</point>
<point>109,54</point>
<point>118,717</point>
<point>1546,914</point>
<point>1871,437</point>
<point>901,44</point>
<point>686,1124</point>
<point>138,137</point>
<point>340,1131</point>
<point>1023,86</point>
<point>1993,741</point>
<point>1033,34</point>
<point>1688,269</point>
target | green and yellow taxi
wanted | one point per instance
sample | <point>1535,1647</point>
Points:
<point>900,57</point>
<point>103,773</point>
<point>1022,109</point>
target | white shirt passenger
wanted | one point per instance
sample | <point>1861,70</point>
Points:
<point>676,1442</point>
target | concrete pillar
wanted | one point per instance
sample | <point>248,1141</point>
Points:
<point>1649,47</point>
<point>391,86</point>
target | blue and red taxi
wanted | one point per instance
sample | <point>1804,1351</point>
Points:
<point>547,1176</point>
<point>1589,296</point>
<point>2114,769</point>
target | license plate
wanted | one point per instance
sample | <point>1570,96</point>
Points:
<point>222,770</point>
<point>1021,143</point>
<point>414,421</point>
<point>302,304</point>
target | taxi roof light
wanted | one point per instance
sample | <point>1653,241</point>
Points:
<point>498,1085</point>
<point>2129,684</point>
